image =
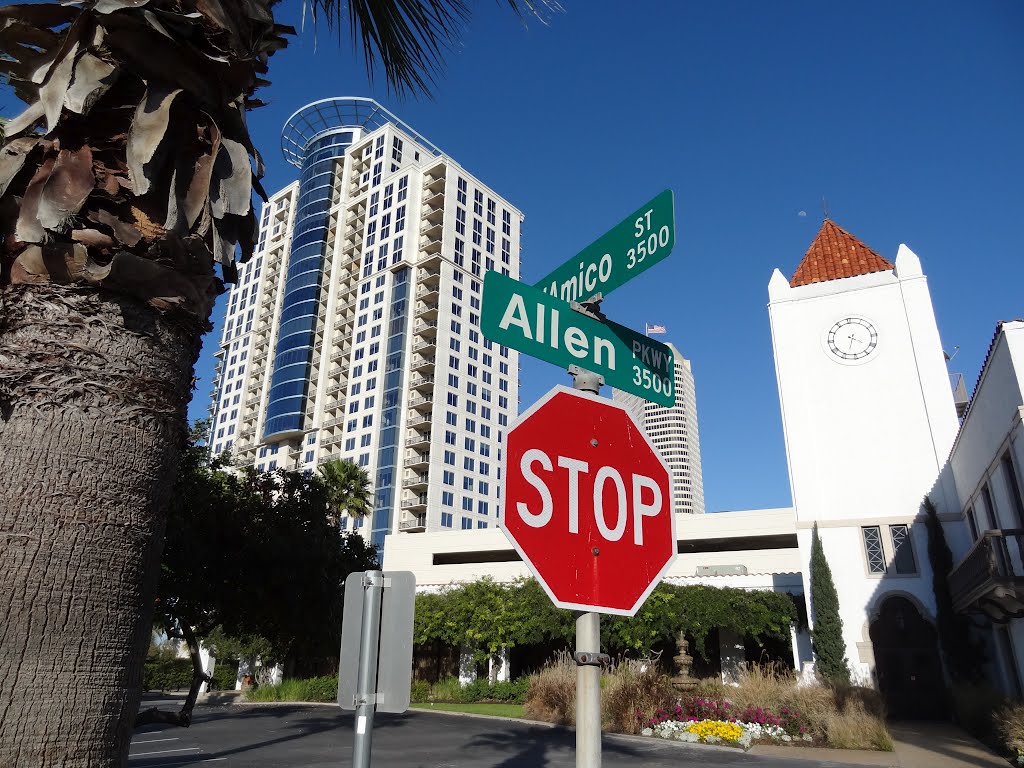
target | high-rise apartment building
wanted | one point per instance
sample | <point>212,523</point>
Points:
<point>674,433</point>
<point>354,331</point>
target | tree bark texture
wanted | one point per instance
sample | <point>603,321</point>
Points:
<point>93,396</point>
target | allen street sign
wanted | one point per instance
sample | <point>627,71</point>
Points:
<point>636,243</point>
<point>588,503</point>
<point>525,318</point>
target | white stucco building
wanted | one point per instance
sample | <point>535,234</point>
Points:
<point>353,333</point>
<point>673,431</point>
<point>983,511</point>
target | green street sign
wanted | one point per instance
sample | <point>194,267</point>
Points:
<point>635,244</point>
<point>525,318</point>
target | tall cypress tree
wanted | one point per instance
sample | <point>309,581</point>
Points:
<point>962,659</point>
<point>827,636</point>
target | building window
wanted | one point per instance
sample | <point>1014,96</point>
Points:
<point>990,507</point>
<point>1013,490</point>
<point>902,549</point>
<point>467,524</point>
<point>446,519</point>
<point>873,548</point>
<point>972,523</point>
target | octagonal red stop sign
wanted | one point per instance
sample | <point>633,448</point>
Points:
<point>588,503</point>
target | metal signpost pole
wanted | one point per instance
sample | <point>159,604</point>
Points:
<point>373,584</point>
<point>588,644</point>
<point>588,691</point>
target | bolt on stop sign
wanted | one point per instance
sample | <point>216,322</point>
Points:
<point>588,503</point>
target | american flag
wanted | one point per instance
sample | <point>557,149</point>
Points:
<point>652,329</point>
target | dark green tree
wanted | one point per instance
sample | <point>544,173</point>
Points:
<point>827,635</point>
<point>961,658</point>
<point>255,556</point>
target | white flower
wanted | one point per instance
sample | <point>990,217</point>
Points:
<point>647,732</point>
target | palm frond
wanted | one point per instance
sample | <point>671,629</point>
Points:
<point>409,37</point>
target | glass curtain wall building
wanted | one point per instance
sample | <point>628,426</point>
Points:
<point>353,333</point>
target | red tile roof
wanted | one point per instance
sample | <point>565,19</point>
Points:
<point>834,254</point>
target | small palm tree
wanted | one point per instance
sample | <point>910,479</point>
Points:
<point>348,488</point>
<point>127,178</point>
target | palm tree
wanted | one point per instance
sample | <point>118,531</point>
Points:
<point>125,180</point>
<point>348,488</point>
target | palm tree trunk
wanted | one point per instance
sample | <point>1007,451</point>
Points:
<point>93,396</point>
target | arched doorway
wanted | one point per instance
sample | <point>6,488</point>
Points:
<point>907,661</point>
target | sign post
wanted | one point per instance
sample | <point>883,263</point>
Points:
<point>588,499</point>
<point>375,672</point>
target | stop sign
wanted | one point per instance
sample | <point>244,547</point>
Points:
<point>588,503</point>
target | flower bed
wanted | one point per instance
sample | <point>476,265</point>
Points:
<point>709,721</point>
<point>727,732</point>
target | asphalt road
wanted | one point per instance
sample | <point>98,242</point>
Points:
<point>294,736</point>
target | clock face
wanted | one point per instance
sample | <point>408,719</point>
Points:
<point>852,338</point>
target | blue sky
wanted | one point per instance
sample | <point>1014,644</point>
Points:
<point>906,116</point>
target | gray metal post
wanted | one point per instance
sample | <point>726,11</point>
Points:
<point>588,641</point>
<point>588,693</point>
<point>366,691</point>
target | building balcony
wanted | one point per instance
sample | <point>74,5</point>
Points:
<point>422,382</point>
<point>415,480</point>
<point>426,328</point>
<point>411,523</point>
<point>434,182</point>
<point>421,422</point>
<point>424,402</point>
<point>332,440</point>
<point>429,277</point>
<point>430,246</point>
<point>423,363</point>
<point>417,502</point>
<point>426,310</point>
<point>417,460</point>
<point>427,292</point>
<point>433,213</point>
<point>431,230</point>
<point>252,402</point>
<point>990,578</point>
<point>334,422</point>
<point>430,257</point>
<point>418,439</point>
<point>426,345</point>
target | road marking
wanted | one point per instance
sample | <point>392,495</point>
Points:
<point>165,751</point>
<point>153,741</point>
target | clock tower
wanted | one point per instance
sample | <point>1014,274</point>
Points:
<point>868,419</point>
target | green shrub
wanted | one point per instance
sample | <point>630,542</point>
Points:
<point>225,673</point>
<point>420,691</point>
<point>513,691</point>
<point>164,674</point>
<point>312,689</point>
<point>447,689</point>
